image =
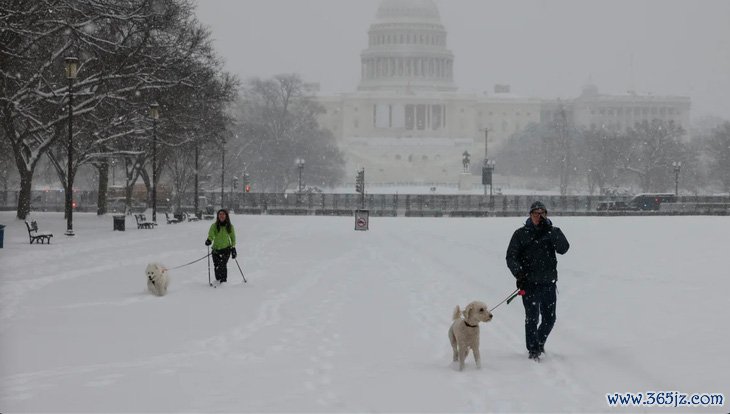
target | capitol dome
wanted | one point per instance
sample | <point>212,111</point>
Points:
<point>407,49</point>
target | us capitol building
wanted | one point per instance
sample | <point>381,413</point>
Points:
<point>407,124</point>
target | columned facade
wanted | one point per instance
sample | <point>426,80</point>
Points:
<point>407,49</point>
<point>407,124</point>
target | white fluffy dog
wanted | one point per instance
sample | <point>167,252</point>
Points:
<point>464,333</point>
<point>157,279</point>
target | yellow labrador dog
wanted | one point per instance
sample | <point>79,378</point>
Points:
<point>464,332</point>
<point>157,279</point>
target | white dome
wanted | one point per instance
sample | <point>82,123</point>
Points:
<point>407,49</point>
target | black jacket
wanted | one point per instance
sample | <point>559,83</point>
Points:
<point>532,252</point>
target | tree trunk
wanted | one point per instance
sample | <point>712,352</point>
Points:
<point>26,180</point>
<point>101,206</point>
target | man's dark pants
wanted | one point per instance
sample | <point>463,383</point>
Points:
<point>539,303</point>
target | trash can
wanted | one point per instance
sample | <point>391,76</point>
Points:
<point>119,222</point>
<point>2,235</point>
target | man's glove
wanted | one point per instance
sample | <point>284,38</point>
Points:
<point>521,281</point>
<point>233,252</point>
<point>208,242</point>
<point>546,224</point>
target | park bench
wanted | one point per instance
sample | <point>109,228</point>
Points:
<point>173,220</point>
<point>142,222</point>
<point>37,236</point>
<point>190,217</point>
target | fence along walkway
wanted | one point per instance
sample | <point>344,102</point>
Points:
<point>457,205</point>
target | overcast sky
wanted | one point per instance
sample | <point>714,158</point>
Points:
<point>542,48</point>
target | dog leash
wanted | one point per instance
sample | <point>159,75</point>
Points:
<point>188,264</point>
<point>508,299</point>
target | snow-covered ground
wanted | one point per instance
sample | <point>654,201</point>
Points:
<point>333,320</point>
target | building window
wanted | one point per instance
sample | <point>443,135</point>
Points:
<point>397,157</point>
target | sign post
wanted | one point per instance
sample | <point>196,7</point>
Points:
<point>362,219</point>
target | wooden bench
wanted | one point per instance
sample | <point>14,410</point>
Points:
<point>190,217</point>
<point>35,235</point>
<point>142,222</point>
<point>172,220</point>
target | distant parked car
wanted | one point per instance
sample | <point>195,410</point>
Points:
<point>614,205</point>
<point>651,201</point>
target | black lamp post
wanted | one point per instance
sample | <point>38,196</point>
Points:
<point>487,179</point>
<point>300,164</point>
<point>223,168</point>
<point>155,115</point>
<point>195,202</point>
<point>72,64</point>
<point>677,165</point>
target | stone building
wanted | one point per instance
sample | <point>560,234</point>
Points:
<point>407,123</point>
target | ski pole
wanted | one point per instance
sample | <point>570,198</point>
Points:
<point>509,298</point>
<point>209,284</point>
<point>239,269</point>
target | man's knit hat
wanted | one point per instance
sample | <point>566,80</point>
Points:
<point>537,205</point>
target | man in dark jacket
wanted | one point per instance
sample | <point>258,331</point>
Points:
<point>531,259</point>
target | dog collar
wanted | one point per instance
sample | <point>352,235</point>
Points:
<point>471,326</point>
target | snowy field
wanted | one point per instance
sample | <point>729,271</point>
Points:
<point>333,320</point>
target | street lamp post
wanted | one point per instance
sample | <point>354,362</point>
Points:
<point>155,115</point>
<point>195,202</point>
<point>72,64</point>
<point>223,168</point>
<point>487,177</point>
<point>300,165</point>
<point>677,165</point>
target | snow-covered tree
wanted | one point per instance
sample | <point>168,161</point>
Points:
<point>277,124</point>
<point>131,52</point>
<point>654,146</point>
<point>719,149</point>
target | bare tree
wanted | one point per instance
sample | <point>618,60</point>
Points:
<point>277,124</point>
<point>130,51</point>
<point>655,145</point>
<point>719,149</point>
<point>600,153</point>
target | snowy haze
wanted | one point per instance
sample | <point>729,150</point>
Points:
<point>544,49</point>
<point>333,320</point>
